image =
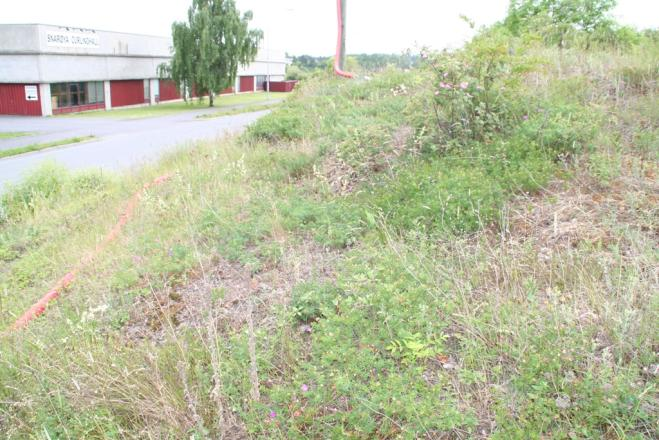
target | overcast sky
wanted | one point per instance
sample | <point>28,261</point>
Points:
<point>305,26</point>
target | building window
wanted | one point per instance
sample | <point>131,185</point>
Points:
<point>261,81</point>
<point>95,92</point>
<point>76,94</point>
<point>59,95</point>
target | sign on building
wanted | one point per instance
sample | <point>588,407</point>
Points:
<point>72,40</point>
<point>31,93</point>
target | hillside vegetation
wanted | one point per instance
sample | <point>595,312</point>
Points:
<point>463,250</point>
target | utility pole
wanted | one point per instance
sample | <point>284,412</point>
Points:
<point>342,58</point>
<point>340,55</point>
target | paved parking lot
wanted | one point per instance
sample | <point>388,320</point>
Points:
<point>121,144</point>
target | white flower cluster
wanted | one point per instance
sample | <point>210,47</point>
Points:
<point>399,90</point>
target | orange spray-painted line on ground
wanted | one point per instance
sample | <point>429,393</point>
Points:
<point>40,307</point>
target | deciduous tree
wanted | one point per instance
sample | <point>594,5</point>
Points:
<point>209,47</point>
<point>558,18</point>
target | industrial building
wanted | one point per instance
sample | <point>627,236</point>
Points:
<point>46,70</point>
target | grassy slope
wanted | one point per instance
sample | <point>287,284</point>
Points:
<point>224,101</point>
<point>344,271</point>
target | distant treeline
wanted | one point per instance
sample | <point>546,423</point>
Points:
<point>305,65</point>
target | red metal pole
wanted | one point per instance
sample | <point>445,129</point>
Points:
<point>339,44</point>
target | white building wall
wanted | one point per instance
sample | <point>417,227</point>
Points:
<point>267,62</point>
<point>261,68</point>
<point>46,101</point>
<point>107,91</point>
<point>19,68</point>
<point>37,53</point>
<point>62,68</point>
<point>132,68</point>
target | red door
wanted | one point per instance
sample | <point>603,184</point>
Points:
<point>128,92</point>
<point>246,83</point>
<point>14,99</point>
<point>168,90</point>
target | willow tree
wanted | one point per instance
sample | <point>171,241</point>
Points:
<point>209,48</point>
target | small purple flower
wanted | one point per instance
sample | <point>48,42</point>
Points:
<point>464,85</point>
<point>525,117</point>
<point>304,387</point>
<point>273,415</point>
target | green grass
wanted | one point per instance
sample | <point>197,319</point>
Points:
<point>164,109</point>
<point>13,134</point>
<point>42,146</point>
<point>404,281</point>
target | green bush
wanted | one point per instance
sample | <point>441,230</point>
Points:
<point>296,73</point>
<point>310,300</point>
<point>560,130</point>
<point>336,224</point>
<point>613,36</point>
<point>286,123</point>
<point>88,181</point>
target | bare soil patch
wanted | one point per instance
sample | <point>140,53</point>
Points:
<point>232,293</point>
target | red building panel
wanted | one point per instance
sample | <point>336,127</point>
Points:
<point>246,83</point>
<point>168,90</point>
<point>13,102</point>
<point>282,86</point>
<point>129,92</point>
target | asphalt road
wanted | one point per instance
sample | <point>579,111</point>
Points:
<point>120,144</point>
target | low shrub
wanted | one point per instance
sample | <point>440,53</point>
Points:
<point>286,123</point>
<point>310,300</point>
<point>333,223</point>
<point>560,130</point>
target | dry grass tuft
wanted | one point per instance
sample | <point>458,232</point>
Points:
<point>344,178</point>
